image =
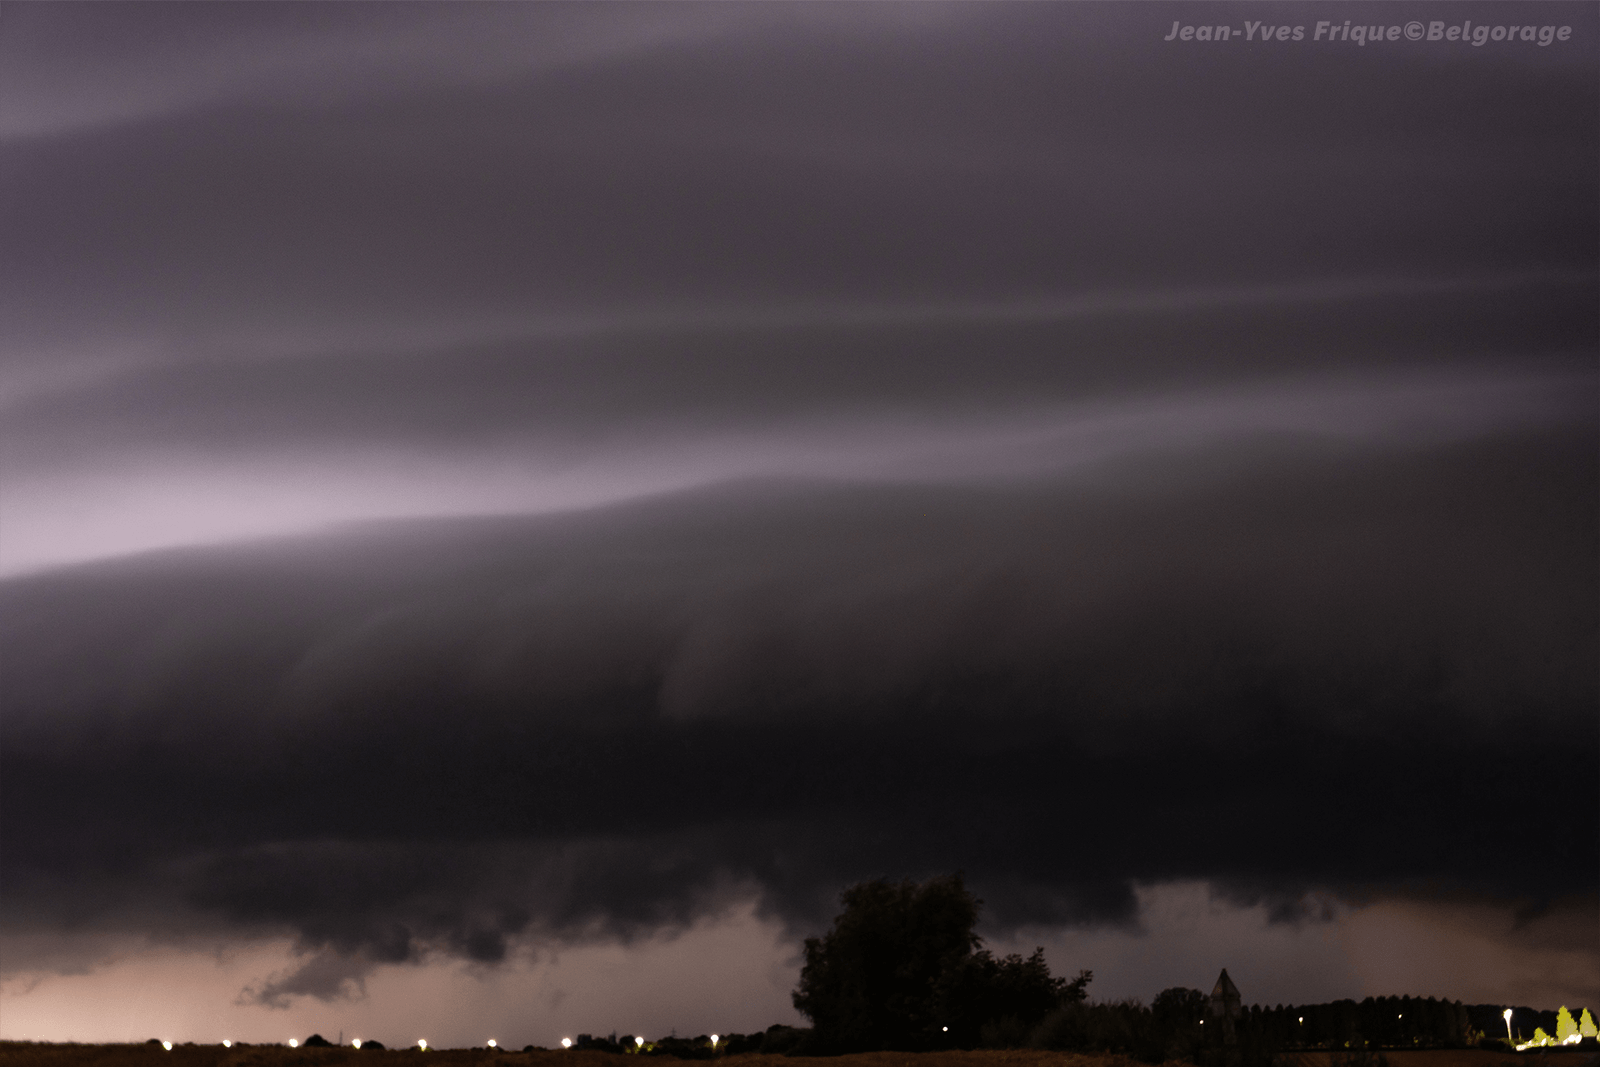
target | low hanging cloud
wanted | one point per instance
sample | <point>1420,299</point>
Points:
<point>327,976</point>
<point>1299,669</point>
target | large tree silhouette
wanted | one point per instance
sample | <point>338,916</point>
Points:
<point>901,969</point>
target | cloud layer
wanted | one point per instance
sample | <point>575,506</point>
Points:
<point>1303,671</point>
<point>613,463</point>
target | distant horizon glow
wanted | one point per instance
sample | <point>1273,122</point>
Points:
<point>1185,936</point>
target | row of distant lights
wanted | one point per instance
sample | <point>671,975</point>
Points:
<point>566,1042</point>
<point>295,1043</point>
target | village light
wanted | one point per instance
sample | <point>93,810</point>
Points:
<point>491,1042</point>
<point>423,1045</point>
<point>1507,1014</point>
<point>639,1041</point>
<point>167,1045</point>
<point>713,1040</point>
<point>226,1043</point>
<point>566,1042</point>
<point>294,1043</point>
<point>356,1043</point>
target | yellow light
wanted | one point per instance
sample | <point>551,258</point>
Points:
<point>713,1039</point>
<point>356,1043</point>
<point>293,1043</point>
<point>226,1043</point>
<point>639,1041</point>
<point>423,1045</point>
<point>167,1045</point>
<point>566,1042</point>
<point>491,1042</point>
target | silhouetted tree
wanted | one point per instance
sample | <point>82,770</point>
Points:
<point>998,1002</point>
<point>869,983</point>
<point>1179,1006</point>
<point>901,970</point>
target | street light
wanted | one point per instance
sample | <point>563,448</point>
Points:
<point>1507,1014</point>
<point>639,1041</point>
<point>491,1042</point>
<point>566,1042</point>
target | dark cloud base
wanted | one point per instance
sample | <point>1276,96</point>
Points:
<point>1294,668</point>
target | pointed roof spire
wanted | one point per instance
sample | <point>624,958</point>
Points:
<point>1225,996</point>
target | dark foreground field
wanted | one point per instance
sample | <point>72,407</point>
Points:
<point>28,1054</point>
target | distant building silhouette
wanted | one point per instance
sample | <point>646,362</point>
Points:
<point>1225,1005</point>
<point>1225,997</point>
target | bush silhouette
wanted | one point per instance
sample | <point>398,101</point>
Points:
<point>782,1040</point>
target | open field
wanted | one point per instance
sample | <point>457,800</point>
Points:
<point>28,1054</point>
<point>25,1054</point>
<point>1458,1057</point>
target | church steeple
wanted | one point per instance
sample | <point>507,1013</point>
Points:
<point>1225,997</point>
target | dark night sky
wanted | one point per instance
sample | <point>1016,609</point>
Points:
<point>490,482</point>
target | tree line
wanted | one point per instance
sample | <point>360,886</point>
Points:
<point>902,969</point>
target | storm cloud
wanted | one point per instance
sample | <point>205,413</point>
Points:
<point>1311,670</point>
<point>480,477</point>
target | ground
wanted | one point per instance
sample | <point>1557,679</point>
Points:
<point>29,1054</point>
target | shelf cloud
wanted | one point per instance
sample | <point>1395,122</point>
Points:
<point>479,479</point>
